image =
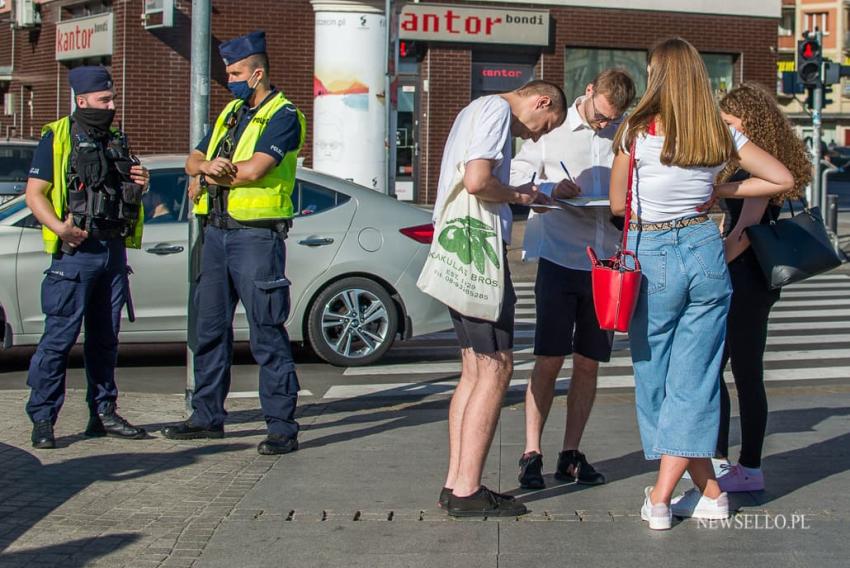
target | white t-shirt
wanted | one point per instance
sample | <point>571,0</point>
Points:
<point>489,138</point>
<point>663,193</point>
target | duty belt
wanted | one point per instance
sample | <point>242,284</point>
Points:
<point>667,225</point>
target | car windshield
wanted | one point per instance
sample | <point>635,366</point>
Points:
<point>11,207</point>
<point>15,162</point>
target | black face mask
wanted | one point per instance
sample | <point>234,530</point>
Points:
<point>95,120</point>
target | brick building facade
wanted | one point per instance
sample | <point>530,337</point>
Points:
<point>151,67</point>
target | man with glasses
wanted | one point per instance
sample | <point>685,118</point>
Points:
<point>578,156</point>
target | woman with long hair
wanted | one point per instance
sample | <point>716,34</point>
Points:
<point>680,144</point>
<point>752,110</point>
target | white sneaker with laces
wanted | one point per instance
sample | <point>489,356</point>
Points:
<point>658,516</point>
<point>695,505</point>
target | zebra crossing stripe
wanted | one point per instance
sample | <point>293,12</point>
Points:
<point>424,368</point>
<point>406,390</point>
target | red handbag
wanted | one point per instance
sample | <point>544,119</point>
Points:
<point>616,285</point>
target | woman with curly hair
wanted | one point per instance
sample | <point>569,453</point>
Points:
<point>752,110</point>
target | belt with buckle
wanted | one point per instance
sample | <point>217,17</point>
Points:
<point>667,225</point>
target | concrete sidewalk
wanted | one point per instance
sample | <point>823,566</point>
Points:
<point>362,492</point>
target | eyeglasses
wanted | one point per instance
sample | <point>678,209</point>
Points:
<point>597,117</point>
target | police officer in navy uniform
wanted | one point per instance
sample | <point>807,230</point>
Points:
<point>246,166</point>
<point>85,189</point>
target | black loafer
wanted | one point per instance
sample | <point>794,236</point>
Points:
<point>110,423</point>
<point>275,444</point>
<point>531,471</point>
<point>573,466</point>
<point>485,503</point>
<point>188,431</point>
<point>42,435</point>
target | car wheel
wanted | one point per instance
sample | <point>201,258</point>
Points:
<point>352,322</point>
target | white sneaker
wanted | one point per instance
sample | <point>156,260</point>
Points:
<point>658,516</point>
<point>694,504</point>
<point>719,466</point>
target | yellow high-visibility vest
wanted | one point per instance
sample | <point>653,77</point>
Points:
<point>271,196</point>
<point>57,194</point>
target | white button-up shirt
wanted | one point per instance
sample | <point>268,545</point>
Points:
<point>562,236</point>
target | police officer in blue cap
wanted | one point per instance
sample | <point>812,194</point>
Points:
<point>246,166</point>
<point>85,189</point>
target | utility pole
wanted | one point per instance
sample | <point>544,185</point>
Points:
<point>391,70</point>
<point>199,109</point>
<point>817,135</point>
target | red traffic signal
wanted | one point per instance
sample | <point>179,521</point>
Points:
<point>809,49</point>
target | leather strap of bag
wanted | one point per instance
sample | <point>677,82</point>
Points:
<point>629,195</point>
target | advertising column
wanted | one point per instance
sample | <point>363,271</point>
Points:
<point>348,91</point>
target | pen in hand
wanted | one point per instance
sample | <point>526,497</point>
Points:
<point>566,171</point>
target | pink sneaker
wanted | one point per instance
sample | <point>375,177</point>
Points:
<point>736,480</point>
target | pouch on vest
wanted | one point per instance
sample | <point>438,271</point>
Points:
<point>131,199</point>
<point>89,162</point>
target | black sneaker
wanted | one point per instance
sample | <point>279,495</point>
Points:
<point>443,501</point>
<point>531,471</point>
<point>42,435</point>
<point>110,423</point>
<point>485,503</point>
<point>445,493</point>
<point>187,431</point>
<point>573,466</point>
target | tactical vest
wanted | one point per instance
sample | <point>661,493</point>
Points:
<point>270,197</point>
<point>57,194</point>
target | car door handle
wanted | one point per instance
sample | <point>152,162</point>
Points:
<point>316,241</point>
<point>163,249</point>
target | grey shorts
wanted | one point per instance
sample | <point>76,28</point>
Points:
<point>484,336</point>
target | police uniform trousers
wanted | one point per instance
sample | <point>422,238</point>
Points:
<point>246,264</point>
<point>89,286</point>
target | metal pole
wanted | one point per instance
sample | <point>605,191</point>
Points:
<point>816,133</point>
<point>816,141</point>
<point>824,181</point>
<point>832,213</point>
<point>199,109</point>
<point>390,70</point>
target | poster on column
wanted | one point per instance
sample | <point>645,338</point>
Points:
<point>348,91</point>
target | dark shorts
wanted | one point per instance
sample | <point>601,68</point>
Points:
<point>566,320</point>
<point>484,336</point>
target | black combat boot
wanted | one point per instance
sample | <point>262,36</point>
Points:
<point>42,435</point>
<point>110,423</point>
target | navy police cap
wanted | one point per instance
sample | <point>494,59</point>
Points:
<point>89,79</point>
<point>241,47</point>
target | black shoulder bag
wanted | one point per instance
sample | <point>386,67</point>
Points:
<point>792,249</point>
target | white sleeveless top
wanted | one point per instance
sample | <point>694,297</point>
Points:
<point>662,193</point>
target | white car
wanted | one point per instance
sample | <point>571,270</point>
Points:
<point>353,256</point>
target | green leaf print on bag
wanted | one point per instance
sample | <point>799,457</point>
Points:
<point>467,238</point>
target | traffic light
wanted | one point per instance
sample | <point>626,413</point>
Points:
<point>407,50</point>
<point>809,58</point>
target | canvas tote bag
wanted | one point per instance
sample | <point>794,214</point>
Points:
<point>464,269</point>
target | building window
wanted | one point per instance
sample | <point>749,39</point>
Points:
<point>582,65</point>
<point>721,68</point>
<point>786,24</point>
<point>816,20</point>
